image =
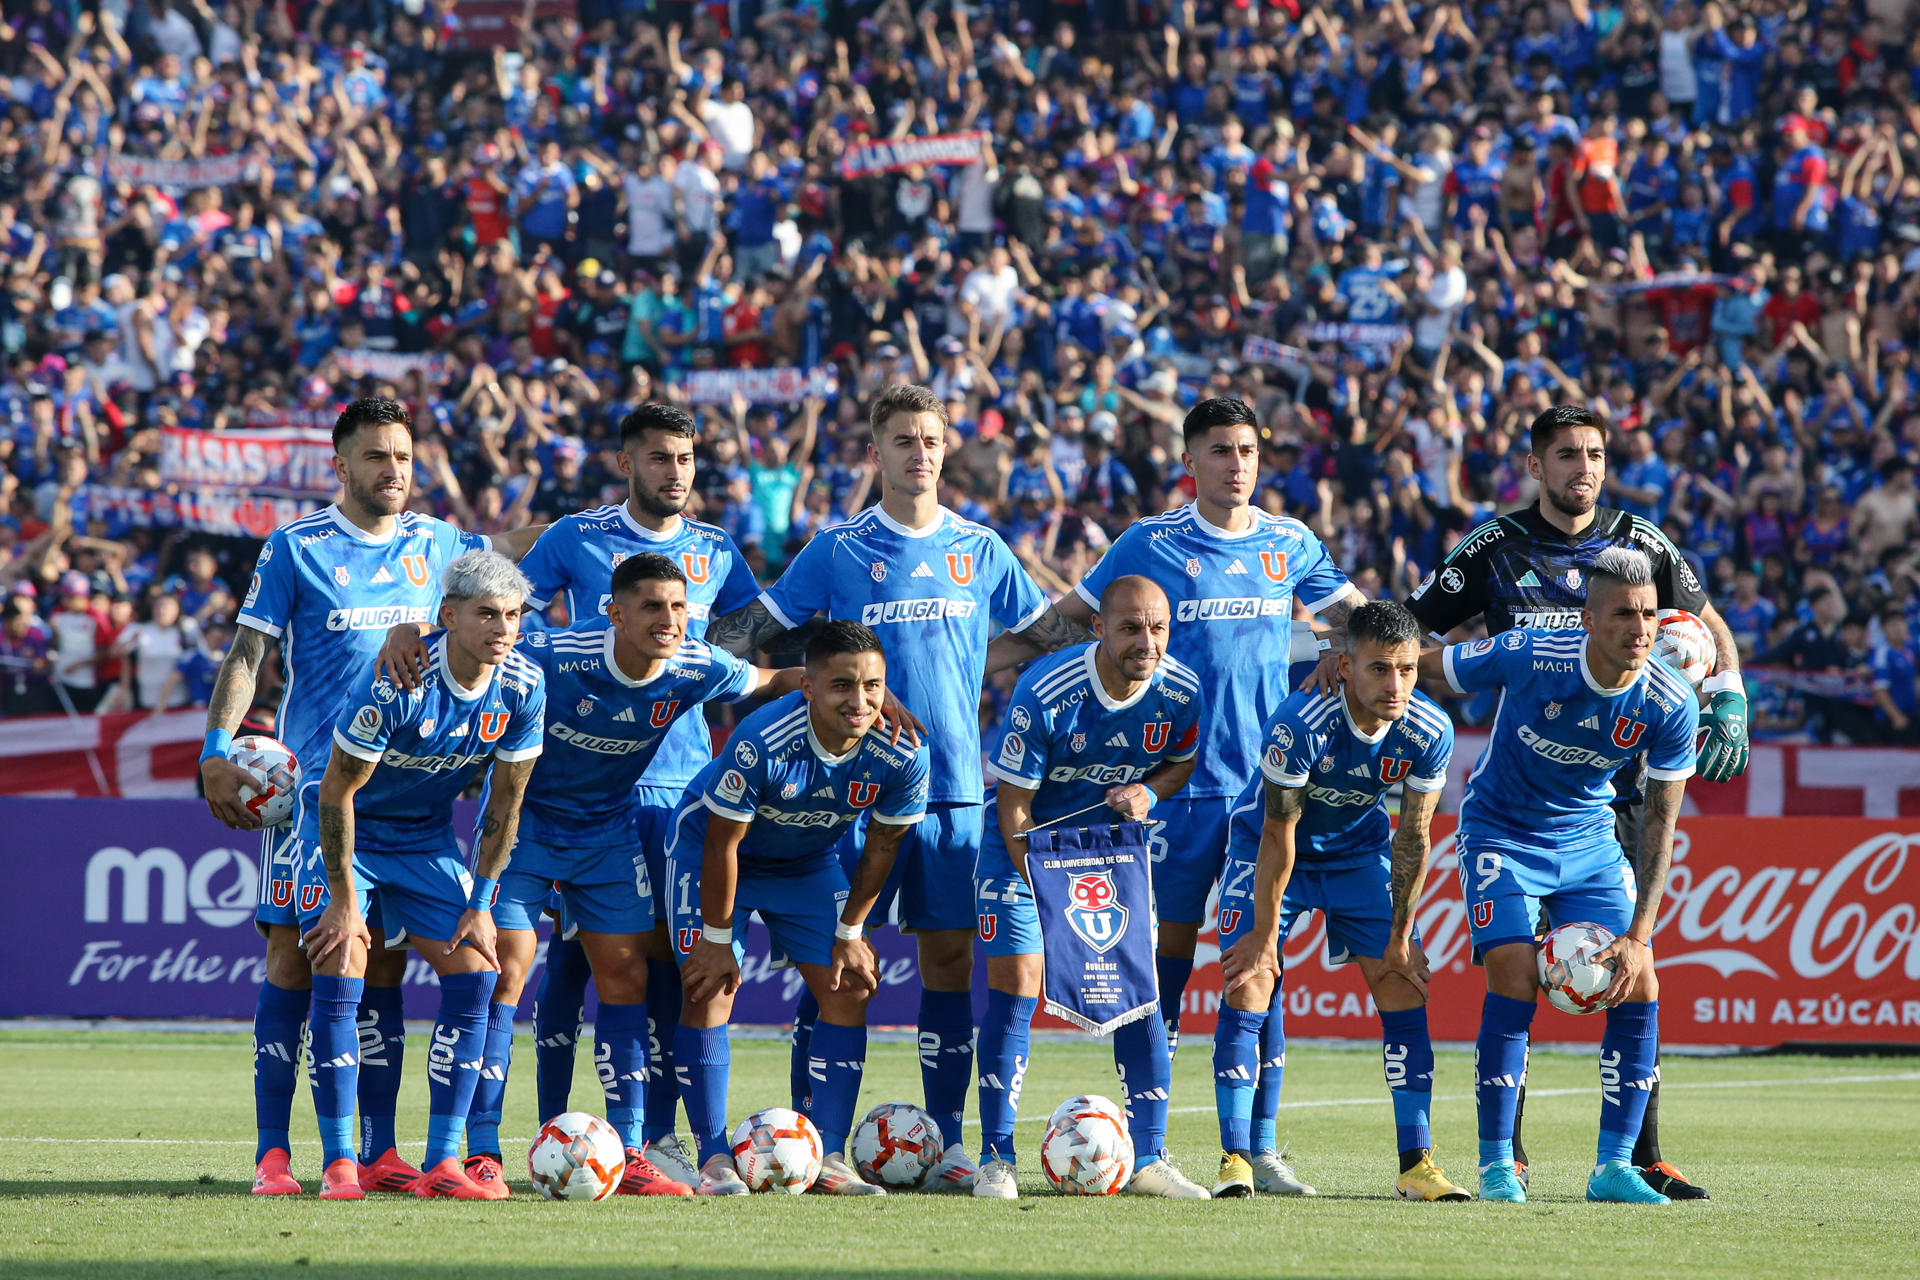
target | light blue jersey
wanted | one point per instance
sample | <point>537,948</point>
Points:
<point>574,562</point>
<point>800,800</point>
<point>1232,597</point>
<point>932,595</point>
<point>603,728</point>
<point>1546,778</point>
<point>1313,742</point>
<point>1066,739</point>
<point>328,592</point>
<point>428,744</point>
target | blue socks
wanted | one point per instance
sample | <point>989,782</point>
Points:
<point>663,1015</point>
<point>838,1058</point>
<point>620,1059</point>
<point>799,1083</point>
<point>277,1017</point>
<point>1236,1066</point>
<point>1627,1074</point>
<point>703,1060</point>
<point>334,1064</point>
<point>454,1060</point>
<point>1173,972</point>
<point>1407,1051</point>
<point>1500,1068</point>
<point>383,1043</point>
<point>1006,1034</point>
<point>1272,1075</point>
<point>559,1009</point>
<point>489,1096</point>
<point>946,1057</point>
<point>1146,1075</point>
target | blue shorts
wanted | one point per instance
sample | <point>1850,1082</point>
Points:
<point>1356,901</point>
<point>282,867</point>
<point>413,895</point>
<point>603,886</point>
<point>1188,842</point>
<point>652,824</point>
<point>931,884</point>
<point>799,912</point>
<point>1508,886</point>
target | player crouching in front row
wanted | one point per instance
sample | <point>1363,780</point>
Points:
<point>378,835</point>
<point>1310,834</point>
<point>756,833</point>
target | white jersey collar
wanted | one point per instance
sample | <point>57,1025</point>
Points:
<point>926,531</point>
<point>1226,535</point>
<point>1586,673</point>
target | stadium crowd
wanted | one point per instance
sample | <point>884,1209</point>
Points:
<point>1398,230</point>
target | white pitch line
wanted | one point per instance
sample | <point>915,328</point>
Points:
<point>1380,1100</point>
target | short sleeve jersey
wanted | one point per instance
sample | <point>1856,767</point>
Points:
<point>800,800</point>
<point>427,746</point>
<point>604,728</point>
<point>1313,742</point>
<point>1520,571</point>
<point>328,592</point>
<point>573,562</point>
<point>1545,779</point>
<point>1232,597</point>
<point>932,595</point>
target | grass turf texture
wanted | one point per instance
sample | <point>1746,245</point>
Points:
<point>130,1155</point>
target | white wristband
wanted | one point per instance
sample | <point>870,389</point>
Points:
<point>1724,682</point>
<point>720,937</point>
<point>849,932</point>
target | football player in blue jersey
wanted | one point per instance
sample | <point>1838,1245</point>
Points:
<point>932,586</point>
<point>327,587</point>
<point>572,564</point>
<point>1310,834</point>
<point>1536,827</point>
<point>376,834</point>
<point>1115,722</point>
<point>615,690</point>
<point>1234,574</point>
<point>756,834</point>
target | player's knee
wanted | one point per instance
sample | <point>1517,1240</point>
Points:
<point>1252,996</point>
<point>1646,985</point>
<point>1016,975</point>
<point>844,1008</point>
<point>287,966</point>
<point>621,978</point>
<point>1178,939</point>
<point>1512,971</point>
<point>946,959</point>
<point>703,1014</point>
<point>657,944</point>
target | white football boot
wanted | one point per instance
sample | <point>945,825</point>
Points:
<point>670,1157</point>
<point>1275,1177</point>
<point>837,1178</point>
<point>954,1173</point>
<point>1163,1178</point>
<point>717,1178</point>
<point>996,1181</point>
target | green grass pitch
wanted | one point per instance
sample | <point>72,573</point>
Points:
<point>129,1155</point>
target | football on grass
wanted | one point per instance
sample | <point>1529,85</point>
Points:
<point>1087,1153</point>
<point>576,1156</point>
<point>777,1150</point>
<point>896,1145</point>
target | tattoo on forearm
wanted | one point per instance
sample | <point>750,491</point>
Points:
<point>336,838</point>
<point>500,825</point>
<point>239,674</point>
<point>1285,802</point>
<point>1410,844</point>
<point>1052,631</point>
<point>1656,844</point>
<point>744,630</point>
<point>876,860</point>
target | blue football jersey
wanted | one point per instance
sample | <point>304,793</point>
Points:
<point>800,800</point>
<point>1546,778</point>
<point>1232,597</point>
<point>428,744</point>
<point>1068,741</point>
<point>574,562</point>
<point>604,728</point>
<point>932,596</point>
<point>1313,742</point>
<point>329,592</point>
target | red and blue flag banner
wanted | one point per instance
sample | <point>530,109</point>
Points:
<point>888,154</point>
<point>1094,895</point>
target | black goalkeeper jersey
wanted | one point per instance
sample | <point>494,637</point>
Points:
<point>1520,571</point>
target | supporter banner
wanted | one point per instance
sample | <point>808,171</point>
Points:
<point>759,386</point>
<point>290,464</point>
<point>132,753</point>
<point>1668,280</point>
<point>182,175</point>
<point>1258,350</point>
<point>392,366</point>
<point>489,24</point>
<point>889,154</point>
<point>292,419</point>
<point>1356,335</point>
<point>1839,686</point>
<point>207,510</point>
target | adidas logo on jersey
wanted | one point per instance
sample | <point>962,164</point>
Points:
<point>1236,567</point>
<point>1591,722</point>
<point>921,571</point>
<point>1527,580</point>
<point>381,575</point>
<point>824,793</point>
<point>1118,740</point>
<point>1360,771</point>
<point>458,731</point>
<point>625,716</point>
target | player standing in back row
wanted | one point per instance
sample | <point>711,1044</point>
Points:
<point>1527,569</point>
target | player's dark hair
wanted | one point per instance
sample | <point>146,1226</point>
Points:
<point>842,636</point>
<point>1216,411</point>
<point>368,411</point>
<point>1552,422</point>
<point>670,418</point>
<point>1387,623</point>
<point>905,397</point>
<point>648,566</point>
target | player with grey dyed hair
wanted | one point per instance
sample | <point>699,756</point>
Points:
<point>1618,567</point>
<point>484,575</point>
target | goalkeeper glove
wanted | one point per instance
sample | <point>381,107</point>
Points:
<point>1723,752</point>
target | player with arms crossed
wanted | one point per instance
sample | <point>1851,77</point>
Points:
<point>1536,827</point>
<point>1233,573</point>
<point>1525,569</point>
<point>616,689</point>
<point>377,833</point>
<point>1310,834</point>
<point>1115,722</point>
<point>756,833</point>
<point>327,587</point>
<point>931,585</point>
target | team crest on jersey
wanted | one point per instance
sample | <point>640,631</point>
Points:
<point>416,570</point>
<point>1393,768</point>
<point>1482,912</point>
<point>584,706</point>
<point>1020,719</point>
<point>685,939</point>
<point>960,567</point>
<point>789,791</point>
<point>1193,566</point>
<point>1326,764</point>
<point>1553,711</point>
<point>1514,640</point>
<point>1626,732</point>
<point>1274,565</point>
<point>662,714</point>
<point>1573,579</point>
<point>862,794</point>
<point>1078,742</point>
<point>879,570</point>
<point>426,726</point>
<point>492,725</point>
<point>619,558</point>
<point>310,897</point>
<point>1094,910</point>
<point>340,575</point>
<point>1229,918</point>
<point>698,567</point>
<point>1153,734</point>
